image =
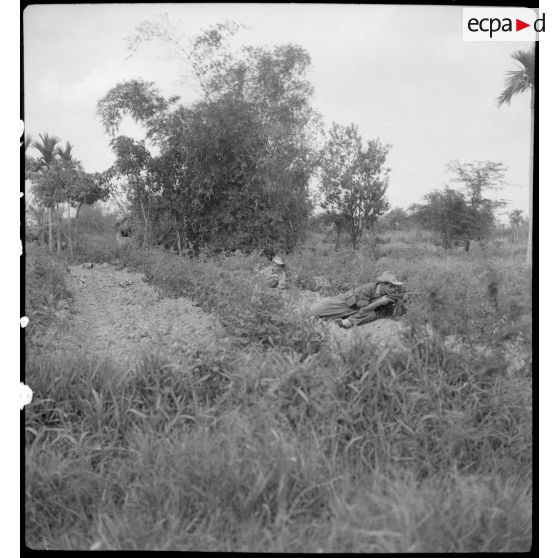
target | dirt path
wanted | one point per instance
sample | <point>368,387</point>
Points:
<point>118,315</point>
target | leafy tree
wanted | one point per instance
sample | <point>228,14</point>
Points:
<point>133,162</point>
<point>65,182</point>
<point>87,189</point>
<point>136,98</point>
<point>233,168</point>
<point>447,213</point>
<point>519,81</point>
<point>58,180</point>
<point>396,219</point>
<point>354,180</point>
<point>477,179</point>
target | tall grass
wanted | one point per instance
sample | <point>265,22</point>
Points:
<point>231,289</point>
<point>341,452</point>
<point>286,443</point>
<point>46,290</point>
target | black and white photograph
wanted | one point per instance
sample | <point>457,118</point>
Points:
<point>278,277</point>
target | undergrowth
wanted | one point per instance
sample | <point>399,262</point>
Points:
<point>285,444</point>
<point>46,289</point>
<point>260,451</point>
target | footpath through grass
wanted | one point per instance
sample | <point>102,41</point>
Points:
<point>284,444</point>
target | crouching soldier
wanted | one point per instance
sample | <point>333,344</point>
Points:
<point>275,274</point>
<point>360,305</point>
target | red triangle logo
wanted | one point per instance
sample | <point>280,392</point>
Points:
<point>519,25</point>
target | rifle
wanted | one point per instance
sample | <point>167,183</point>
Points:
<point>395,308</point>
<point>396,297</point>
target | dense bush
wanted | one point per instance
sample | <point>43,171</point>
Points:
<point>233,167</point>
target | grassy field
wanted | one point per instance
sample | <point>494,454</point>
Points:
<point>285,444</point>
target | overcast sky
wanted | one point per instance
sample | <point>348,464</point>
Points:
<point>401,73</point>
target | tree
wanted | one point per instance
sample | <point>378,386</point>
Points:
<point>516,222</point>
<point>396,219</point>
<point>354,180</point>
<point>30,162</point>
<point>31,205</point>
<point>519,81</point>
<point>233,168</point>
<point>51,187</point>
<point>47,147</point>
<point>133,161</point>
<point>59,179</point>
<point>477,179</point>
<point>447,213</point>
<point>66,153</point>
<point>66,156</point>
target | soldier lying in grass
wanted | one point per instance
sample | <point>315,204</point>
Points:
<point>361,305</point>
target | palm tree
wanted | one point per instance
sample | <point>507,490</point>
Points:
<point>516,220</point>
<point>30,162</point>
<point>67,157</point>
<point>27,142</point>
<point>66,153</point>
<point>520,81</point>
<point>47,149</point>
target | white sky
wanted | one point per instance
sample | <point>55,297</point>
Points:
<point>401,73</point>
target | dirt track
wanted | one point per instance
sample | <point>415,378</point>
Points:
<point>118,315</point>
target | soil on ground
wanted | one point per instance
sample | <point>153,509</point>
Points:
<point>116,314</point>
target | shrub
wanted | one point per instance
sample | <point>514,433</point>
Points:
<point>249,311</point>
<point>45,288</point>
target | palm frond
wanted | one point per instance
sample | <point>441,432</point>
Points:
<point>520,80</point>
<point>66,153</point>
<point>526,58</point>
<point>46,147</point>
